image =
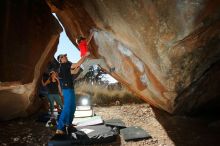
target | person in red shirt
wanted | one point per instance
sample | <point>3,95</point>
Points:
<point>83,43</point>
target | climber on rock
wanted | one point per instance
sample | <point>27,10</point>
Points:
<point>83,43</point>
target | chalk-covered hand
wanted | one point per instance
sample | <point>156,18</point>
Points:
<point>93,30</point>
<point>87,54</point>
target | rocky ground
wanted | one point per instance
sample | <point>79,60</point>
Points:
<point>165,130</point>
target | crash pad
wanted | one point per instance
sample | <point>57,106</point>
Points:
<point>134,133</point>
<point>80,122</point>
<point>115,123</point>
<point>61,140</point>
<point>99,134</point>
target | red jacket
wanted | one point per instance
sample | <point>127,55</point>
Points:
<point>83,48</point>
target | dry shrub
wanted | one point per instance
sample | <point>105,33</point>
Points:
<point>101,95</point>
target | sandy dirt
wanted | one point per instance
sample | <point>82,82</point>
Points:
<point>165,130</point>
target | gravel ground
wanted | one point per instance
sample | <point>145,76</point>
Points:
<point>165,130</point>
<point>138,115</point>
<point>24,132</point>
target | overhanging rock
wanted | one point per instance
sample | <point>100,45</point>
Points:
<point>167,52</point>
<point>162,50</point>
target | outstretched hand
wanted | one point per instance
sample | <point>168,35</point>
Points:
<point>93,30</point>
<point>87,54</point>
<point>56,77</point>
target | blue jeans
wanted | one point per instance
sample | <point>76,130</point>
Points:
<point>57,98</point>
<point>69,109</point>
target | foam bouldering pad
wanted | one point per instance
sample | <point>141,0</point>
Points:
<point>134,133</point>
<point>88,121</point>
<point>61,140</point>
<point>98,134</point>
<point>115,123</point>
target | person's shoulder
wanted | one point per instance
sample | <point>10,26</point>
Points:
<point>69,62</point>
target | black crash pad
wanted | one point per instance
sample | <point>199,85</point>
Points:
<point>61,140</point>
<point>134,133</point>
<point>99,134</point>
<point>115,123</point>
<point>95,134</point>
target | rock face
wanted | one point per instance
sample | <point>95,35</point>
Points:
<point>165,51</point>
<point>29,37</point>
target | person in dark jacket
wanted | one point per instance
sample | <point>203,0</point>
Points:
<point>67,70</point>
<point>54,89</point>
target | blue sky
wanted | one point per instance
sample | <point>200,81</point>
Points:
<point>65,46</point>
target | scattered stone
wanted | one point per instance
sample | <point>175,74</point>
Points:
<point>16,139</point>
<point>117,102</point>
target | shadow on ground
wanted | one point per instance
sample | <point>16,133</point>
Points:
<point>191,131</point>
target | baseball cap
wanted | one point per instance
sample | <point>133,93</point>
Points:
<point>60,56</point>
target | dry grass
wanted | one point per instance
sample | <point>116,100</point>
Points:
<point>103,96</point>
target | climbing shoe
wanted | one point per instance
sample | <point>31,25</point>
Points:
<point>60,132</point>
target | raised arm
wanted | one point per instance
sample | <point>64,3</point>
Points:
<point>90,38</point>
<point>82,59</point>
<point>45,83</point>
<point>74,69</point>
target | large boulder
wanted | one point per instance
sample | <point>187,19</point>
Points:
<point>29,37</point>
<point>168,52</point>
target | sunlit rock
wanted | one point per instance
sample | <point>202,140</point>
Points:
<point>165,51</point>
